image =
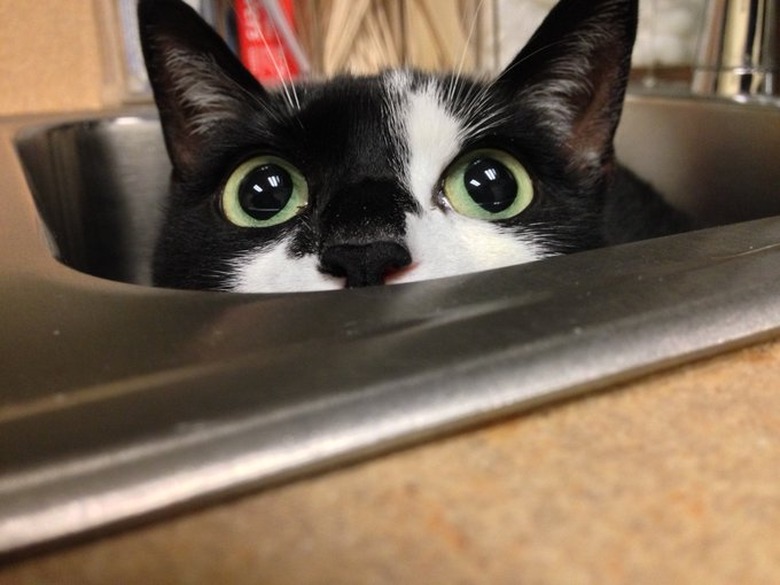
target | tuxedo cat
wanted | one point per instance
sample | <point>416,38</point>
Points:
<point>397,177</point>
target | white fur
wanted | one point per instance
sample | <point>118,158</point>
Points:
<point>442,244</point>
<point>276,270</point>
<point>432,137</point>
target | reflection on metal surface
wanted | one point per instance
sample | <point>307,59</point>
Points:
<point>121,400</point>
<point>739,52</point>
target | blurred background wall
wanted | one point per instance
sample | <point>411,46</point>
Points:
<point>52,57</point>
<point>49,56</point>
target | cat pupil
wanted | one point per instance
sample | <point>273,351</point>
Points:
<point>265,191</point>
<point>490,184</point>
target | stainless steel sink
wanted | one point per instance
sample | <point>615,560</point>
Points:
<point>121,401</point>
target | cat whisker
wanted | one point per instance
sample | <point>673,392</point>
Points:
<point>478,106</point>
<point>286,70</point>
<point>464,53</point>
<point>283,73</point>
<point>474,131</point>
<point>519,62</point>
<point>476,110</point>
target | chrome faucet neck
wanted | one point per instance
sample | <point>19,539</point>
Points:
<point>738,54</point>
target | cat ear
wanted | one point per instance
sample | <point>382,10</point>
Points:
<point>197,81</point>
<point>573,72</point>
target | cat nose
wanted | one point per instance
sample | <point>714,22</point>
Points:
<point>364,264</point>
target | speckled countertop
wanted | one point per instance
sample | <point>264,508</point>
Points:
<point>674,478</point>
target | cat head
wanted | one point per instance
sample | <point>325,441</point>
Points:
<point>396,177</point>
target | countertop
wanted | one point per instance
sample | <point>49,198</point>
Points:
<point>673,478</point>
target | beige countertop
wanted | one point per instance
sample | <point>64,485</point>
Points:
<point>674,478</point>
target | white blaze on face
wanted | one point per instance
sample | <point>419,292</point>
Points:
<point>274,269</point>
<point>431,135</point>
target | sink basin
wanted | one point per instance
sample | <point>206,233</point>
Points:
<point>121,401</point>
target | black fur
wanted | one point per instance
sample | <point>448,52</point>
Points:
<point>559,103</point>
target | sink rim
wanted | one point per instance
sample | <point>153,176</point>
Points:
<point>661,314</point>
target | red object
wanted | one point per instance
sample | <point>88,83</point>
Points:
<point>261,48</point>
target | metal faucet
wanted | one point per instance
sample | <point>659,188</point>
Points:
<point>738,54</point>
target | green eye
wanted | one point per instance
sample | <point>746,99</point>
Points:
<point>264,191</point>
<point>488,184</point>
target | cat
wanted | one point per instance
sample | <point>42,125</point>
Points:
<point>395,177</point>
